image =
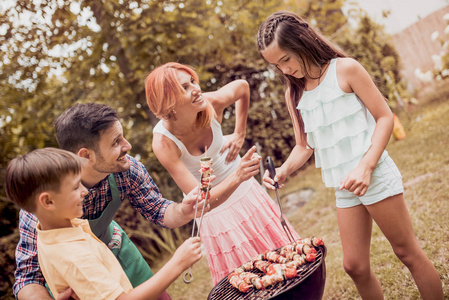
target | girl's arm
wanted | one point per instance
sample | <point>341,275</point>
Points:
<point>354,78</point>
<point>169,155</point>
<point>236,92</point>
<point>298,156</point>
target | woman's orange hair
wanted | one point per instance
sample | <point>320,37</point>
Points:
<point>164,91</point>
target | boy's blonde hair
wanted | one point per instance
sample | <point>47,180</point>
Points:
<point>37,171</point>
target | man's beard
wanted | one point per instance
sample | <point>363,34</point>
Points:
<point>103,167</point>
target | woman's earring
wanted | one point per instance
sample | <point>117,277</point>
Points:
<point>173,114</point>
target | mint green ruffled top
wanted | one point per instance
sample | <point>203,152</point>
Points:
<point>338,125</point>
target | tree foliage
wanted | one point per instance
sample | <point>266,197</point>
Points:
<point>57,53</point>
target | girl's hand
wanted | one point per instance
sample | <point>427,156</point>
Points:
<point>234,142</point>
<point>357,181</point>
<point>188,253</point>
<point>249,165</point>
<point>279,178</point>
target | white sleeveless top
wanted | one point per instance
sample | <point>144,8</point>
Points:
<point>338,125</point>
<point>221,170</point>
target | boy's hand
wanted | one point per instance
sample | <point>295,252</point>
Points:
<point>188,253</point>
<point>66,295</point>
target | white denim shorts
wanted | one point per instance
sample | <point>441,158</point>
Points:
<point>386,181</point>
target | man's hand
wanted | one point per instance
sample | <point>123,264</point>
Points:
<point>189,202</point>
<point>178,214</point>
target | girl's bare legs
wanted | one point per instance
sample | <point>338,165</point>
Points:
<point>394,220</point>
<point>355,225</point>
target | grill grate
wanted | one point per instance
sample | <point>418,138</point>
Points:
<point>225,291</point>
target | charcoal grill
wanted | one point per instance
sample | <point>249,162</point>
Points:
<point>308,285</point>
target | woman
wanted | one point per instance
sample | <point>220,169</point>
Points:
<point>243,220</point>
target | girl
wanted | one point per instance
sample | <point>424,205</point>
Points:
<point>346,122</point>
<point>247,223</point>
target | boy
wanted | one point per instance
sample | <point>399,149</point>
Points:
<point>47,183</point>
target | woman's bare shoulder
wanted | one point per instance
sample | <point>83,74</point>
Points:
<point>163,145</point>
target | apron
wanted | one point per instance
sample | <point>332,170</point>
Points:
<point>110,233</point>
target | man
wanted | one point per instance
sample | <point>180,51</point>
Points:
<point>93,131</point>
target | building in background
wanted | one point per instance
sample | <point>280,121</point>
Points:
<point>416,47</point>
<point>411,23</point>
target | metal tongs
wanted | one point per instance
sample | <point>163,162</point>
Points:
<point>188,277</point>
<point>272,171</point>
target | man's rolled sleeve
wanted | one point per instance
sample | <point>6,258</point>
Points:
<point>145,196</point>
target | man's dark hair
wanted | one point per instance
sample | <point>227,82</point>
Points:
<point>80,126</point>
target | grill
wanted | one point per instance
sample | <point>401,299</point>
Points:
<point>308,285</point>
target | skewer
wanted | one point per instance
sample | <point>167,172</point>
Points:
<point>207,192</point>
<point>188,276</point>
<point>202,212</point>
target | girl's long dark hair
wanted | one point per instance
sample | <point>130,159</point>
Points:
<point>294,36</point>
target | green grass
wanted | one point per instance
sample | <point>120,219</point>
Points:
<point>423,160</point>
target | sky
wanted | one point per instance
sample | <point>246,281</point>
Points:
<point>403,12</point>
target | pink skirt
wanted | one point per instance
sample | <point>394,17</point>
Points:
<point>245,225</point>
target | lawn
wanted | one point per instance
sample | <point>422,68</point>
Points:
<point>423,160</point>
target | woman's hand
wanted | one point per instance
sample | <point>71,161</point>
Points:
<point>280,178</point>
<point>249,165</point>
<point>234,142</point>
<point>358,180</point>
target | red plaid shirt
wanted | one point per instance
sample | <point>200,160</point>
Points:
<point>134,184</point>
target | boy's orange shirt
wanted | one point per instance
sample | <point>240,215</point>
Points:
<point>74,257</point>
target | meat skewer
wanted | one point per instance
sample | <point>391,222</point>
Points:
<point>206,171</point>
<point>203,192</point>
<point>275,257</point>
<point>238,282</point>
